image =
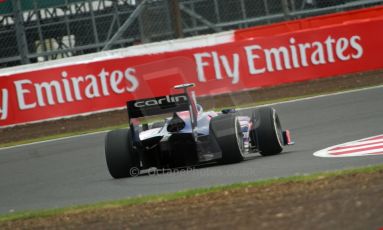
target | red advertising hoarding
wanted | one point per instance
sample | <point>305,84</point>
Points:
<point>242,64</point>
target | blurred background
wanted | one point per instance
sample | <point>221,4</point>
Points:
<point>38,30</point>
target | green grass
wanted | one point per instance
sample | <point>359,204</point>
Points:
<point>186,194</point>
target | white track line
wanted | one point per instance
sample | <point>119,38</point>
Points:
<point>358,144</point>
<point>54,140</point>
<point>355,148</point>
<point>321,96</point>
<point>379,150</point>
<point>325,152</point>
<point>277,103</point>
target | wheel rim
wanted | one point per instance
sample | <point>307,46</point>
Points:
<point>277,128</point>
<point>239,136</point>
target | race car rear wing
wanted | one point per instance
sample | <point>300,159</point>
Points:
<point>158,105</point>
<point>162,105</point>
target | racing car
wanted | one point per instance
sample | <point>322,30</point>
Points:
<point>189,136</point>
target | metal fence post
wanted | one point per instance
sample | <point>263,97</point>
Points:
<point>95,32</point>
<point>126,24</point>
<point>175,14</point>
<point>22,44</point>
<point>285,8</point>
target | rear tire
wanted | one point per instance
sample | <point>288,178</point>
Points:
<point>267,131</point>
<point>227,132</point>
<point>121,158</point>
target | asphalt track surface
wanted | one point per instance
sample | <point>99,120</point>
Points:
<point>73,171</point>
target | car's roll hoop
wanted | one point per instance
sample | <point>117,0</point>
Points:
<point>184,86</point>
<point>192,105</point>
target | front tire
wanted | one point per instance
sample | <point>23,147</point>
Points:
<point>227,132</point>
<point>267,131</point>
<point>121,158</point>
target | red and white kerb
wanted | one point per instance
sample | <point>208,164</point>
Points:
<point>364,147</point>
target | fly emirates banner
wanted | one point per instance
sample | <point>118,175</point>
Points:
<point>53,92</point>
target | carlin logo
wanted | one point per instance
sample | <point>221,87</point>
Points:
<point>160,101</point>
<point>4,104</point>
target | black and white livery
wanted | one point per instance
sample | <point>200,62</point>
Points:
<point>190,136</point>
